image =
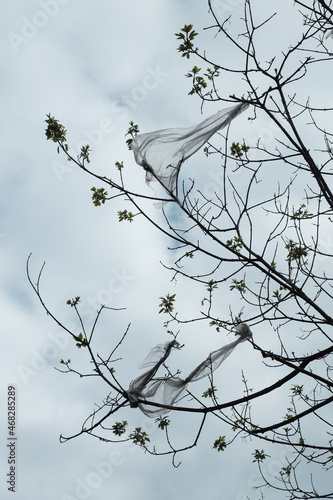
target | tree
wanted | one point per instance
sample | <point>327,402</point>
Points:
<point>261,238</point>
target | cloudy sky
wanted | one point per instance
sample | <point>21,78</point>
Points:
<point>95,66</point>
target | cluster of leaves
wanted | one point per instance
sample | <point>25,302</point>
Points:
<point>301,213</point>
<point>297,390</point>
<point>211,285</point>
<point>199,83</point>
<point>132,131</point>
<point>239,424</point>
<point>289,416</point>
<point>139,437</point>
<point>238,150</point>
<point>125,215</point>
<point>84,154</point>
<point>216,324</point>
<point>220,444</point>
<point>167,304</point>
<point>213,73</point>
<point>119,165</point>
<point>99,196</point>
<point>56,132</point>
<point>73,302</point>
<point>63,362</point>
<point>238,285</point>
<point>163,422</point>
<point>277,293</point>
<point>187,35</point>
<point>285,470</point>
<point>80,340</point>
<point>119,428</point>
<point>236,243</point>
<point>295,252</point>
<point>210,392</point>
<point>259,456</point>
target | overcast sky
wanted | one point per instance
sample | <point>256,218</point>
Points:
<point>95,66</point>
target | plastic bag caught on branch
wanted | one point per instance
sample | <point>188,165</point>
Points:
<point>167,390</point>
<point>162,153</point>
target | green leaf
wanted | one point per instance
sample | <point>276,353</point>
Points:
<point>187,35</point>
<point>285,470</point>
<point>212,73</point>
<point>301,213</point>
<point>65,362</point>
<point>55,131</point>
<point>84,154</point>
<point>236,243</point>
<point>297,390</point>
<point>119,428</point>
<point>73,302</point>
<point>220,444</point>
<point>214,323</point>
<point>212,285</point>
<point>238,285</point>
<point>124,215</point>
<point>210,392</point>
<point>238,150</point>
<point>167,304</point>
<point>99,196</point>
<point>132,131</point>
<point>163,422</point>
<point>139,437</point>
<point>295,252</point>
<point>259,456</point>
<point>198,82</point>
<point>81,341</point>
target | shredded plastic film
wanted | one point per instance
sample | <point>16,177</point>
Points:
<point>163,152</point>
<point>167,390</point>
